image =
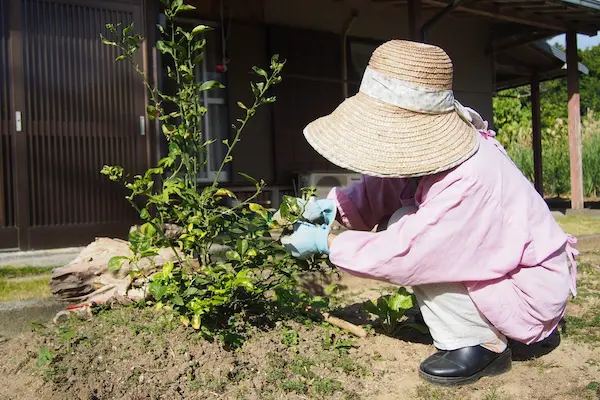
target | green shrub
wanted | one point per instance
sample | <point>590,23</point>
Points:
<point>523,158</point>
<point>591,164</point>
<point>514,132</point>
<point>215,291</point>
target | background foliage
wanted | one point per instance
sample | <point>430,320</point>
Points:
<point>512,119</point>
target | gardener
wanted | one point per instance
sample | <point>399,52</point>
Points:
<point>469,233</point>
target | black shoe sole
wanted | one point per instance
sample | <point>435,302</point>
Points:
<point>499,366</point>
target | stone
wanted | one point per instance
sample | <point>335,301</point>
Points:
<point>88,279</point>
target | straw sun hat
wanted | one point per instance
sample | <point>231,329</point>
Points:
<point>404,121</point>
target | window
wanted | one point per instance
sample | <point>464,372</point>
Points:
<point>216,120</point>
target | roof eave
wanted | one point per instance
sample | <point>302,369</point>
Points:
<point>593,4</point>
<point>558,53</point>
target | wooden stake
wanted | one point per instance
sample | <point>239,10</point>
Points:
<point>345,325</point>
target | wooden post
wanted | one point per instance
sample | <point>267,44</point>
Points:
<point>414,20</point>
<point>574,122</point>
<point>536,124</point>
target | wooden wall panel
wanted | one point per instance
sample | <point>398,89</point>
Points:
<point>7,190</point>
<point>80,110</point>
<point>311,88</point>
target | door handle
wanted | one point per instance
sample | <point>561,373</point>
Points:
<point>142,125</point>
<point>18,121</point>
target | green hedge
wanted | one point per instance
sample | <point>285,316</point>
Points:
<point>556,164</point>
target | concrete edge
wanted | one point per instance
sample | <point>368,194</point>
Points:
<point>39,258</point>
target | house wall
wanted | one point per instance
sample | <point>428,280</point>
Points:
<point>273,148</point>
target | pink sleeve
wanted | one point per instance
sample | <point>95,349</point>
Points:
<point>363,204</point>
<point>453,237</point>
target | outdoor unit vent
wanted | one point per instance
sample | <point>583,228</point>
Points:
<point>325,181</point>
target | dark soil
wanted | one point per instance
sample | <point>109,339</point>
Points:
<point>132,354</point>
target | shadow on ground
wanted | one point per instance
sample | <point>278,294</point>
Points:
<point>562,205</point>
<point>356,314</point>
<point>523,352</point>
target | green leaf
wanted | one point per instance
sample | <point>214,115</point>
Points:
<point>260,72</point>
<point>157,290</point>
<point>257,208</point>
<point>177,300</point>
<point>255,89</point>
<point>331,289</point>
<point>371,307</point>
<point>225,192</point>
<point>399,302</point>
<point>184,320</point>
<point>383,303</point>
<point>167,269</point>
<point>242,105</point>
<point>242,246</point>
<point>210,85</point>
<point>198,59</point>
<point>187,7</point>
<point>144,214</point>
<point>319,302</point>
<point>249,178</point>
<point>196,321</point>
<point>274,61</point>
<point>163,48</point>
<point>115,263</point>
<point>44,357</point>
<point>148,229</point>
<point>233,255</point>
<point>167,130</point>
<point>252,253</point>
<point>127,30</point>
<point>191,291</point>
<point>108,42</point>
<point>201,28</point>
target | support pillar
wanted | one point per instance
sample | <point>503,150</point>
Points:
<point>536,124</point>
<point>574,122</point>
<point>414,20</point>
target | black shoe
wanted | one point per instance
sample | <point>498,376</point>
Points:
<point>463,366</point>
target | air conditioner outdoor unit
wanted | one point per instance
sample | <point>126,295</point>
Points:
<point>325,181</point>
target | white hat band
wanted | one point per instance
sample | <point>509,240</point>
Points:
<point>408,96</point>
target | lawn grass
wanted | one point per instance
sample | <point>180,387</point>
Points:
<point>13,290</point>
<point>578,225</point>
<point>20,272</point>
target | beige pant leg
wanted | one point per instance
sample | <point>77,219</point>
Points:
<point>450,314</point>
<point>452,318</point>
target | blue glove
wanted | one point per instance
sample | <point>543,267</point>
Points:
<point>315,211</point>
<point>307,240</point>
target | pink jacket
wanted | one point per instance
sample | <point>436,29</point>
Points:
<point>481,223</point>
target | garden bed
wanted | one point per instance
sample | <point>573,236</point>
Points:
<point>133,353</point>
